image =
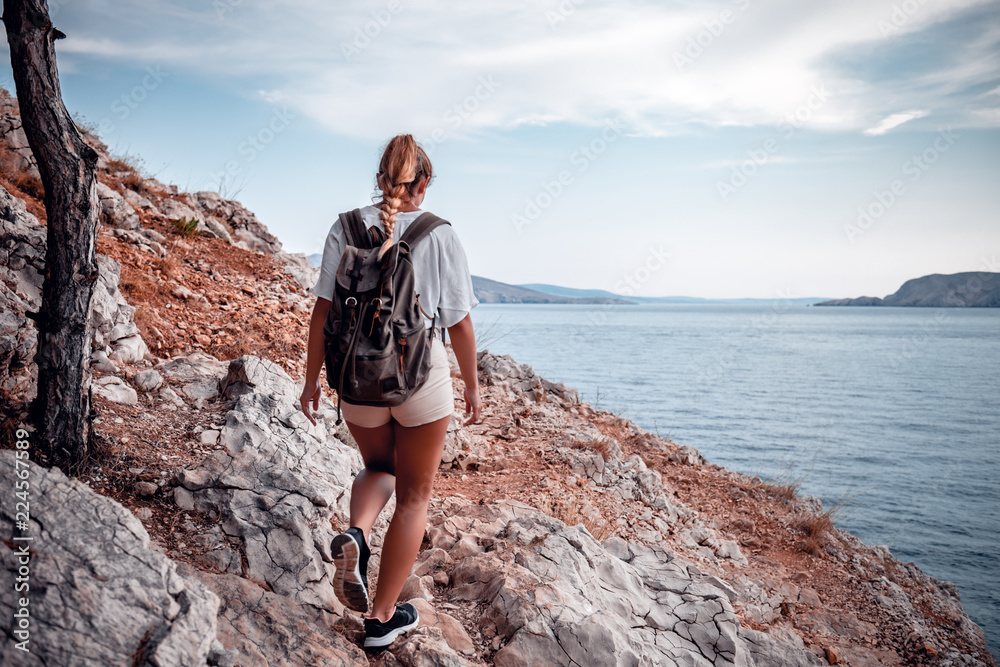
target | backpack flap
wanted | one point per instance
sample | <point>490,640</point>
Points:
<point>367,274</point>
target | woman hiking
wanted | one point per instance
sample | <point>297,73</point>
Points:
<point>401,445</point>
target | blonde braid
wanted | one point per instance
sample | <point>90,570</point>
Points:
<point>392,199</point>
<point>397,170</point>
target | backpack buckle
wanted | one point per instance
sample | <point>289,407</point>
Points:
<point>350,302</point>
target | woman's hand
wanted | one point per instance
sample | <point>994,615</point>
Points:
<point>472,404</point>
<point>463,342</point>
<point>311,394</point>
<point>314,359</point>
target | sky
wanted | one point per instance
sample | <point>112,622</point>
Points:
<point>721,149</point>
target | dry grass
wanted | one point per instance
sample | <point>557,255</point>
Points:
<point>14,177</point>
<point>125,162</point>
<point>136,284</point>
<point>816,527</point>
<point>142,316</point>
<point>130,170</point>
<point>286,347</point>
<point>233,350</point>
<point>134,181</point>
<point>785,487</point>
<point>599,528</point>
<point>784,492</point>
<point>167,266</point>
<point>603,446</point>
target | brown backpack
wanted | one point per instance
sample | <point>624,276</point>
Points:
<point>376,350</point>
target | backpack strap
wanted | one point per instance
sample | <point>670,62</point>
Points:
<point>354,229</point>
<point>421,227</point>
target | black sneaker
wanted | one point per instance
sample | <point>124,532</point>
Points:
<point>380,635</point>
<point>350,556</point>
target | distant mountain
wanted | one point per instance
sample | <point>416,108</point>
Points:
<point>492,291</point>
<point>571,292</point>
<point>974,289</point>
<point>315,259</point>
<point>578,293</point>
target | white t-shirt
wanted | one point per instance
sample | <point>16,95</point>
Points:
<point>440,269</point>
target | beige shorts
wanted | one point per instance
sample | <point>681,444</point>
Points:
<point>431,402</point>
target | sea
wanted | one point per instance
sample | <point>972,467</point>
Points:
<point>892,414</point>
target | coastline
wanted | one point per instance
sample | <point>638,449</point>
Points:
<point>558,530</point>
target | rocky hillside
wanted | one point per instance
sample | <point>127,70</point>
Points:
<point>973,289</point>
<point>199,532</point>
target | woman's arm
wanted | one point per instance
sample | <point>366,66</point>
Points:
<point>314,358</point>
<point>463,342</point>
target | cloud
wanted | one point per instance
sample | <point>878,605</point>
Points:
<point>895,120</point>
<point>367,68</point>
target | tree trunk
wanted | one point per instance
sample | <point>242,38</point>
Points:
<point>67,166</point>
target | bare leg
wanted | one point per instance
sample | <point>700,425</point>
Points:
<point>418,455</point>
<point>374,485</point>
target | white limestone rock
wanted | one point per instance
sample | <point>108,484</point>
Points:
<point>115,390</point>
<point>147,380</point>
<point>129,350</point>
<point>197,375</point>
<point>115,210</point>
<point>276,484</point>
<point>99,594</point>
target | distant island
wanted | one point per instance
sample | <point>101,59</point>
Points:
<point>493,291</point>
<point>675,300</point>
<point>973,289</point>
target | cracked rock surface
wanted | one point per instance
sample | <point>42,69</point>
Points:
<point>265,629</point>
<point>556,596</point>
<point>98,595</point>
<point>275,485</point>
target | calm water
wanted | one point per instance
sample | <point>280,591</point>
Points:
<point>896,408</point>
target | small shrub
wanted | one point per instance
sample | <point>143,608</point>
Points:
<point>571,515</point>
<point>134,181</point>
<point>167,266</point>
<point>126,162</point>
<point>137,285</point>
<point>602,446</point>
<point>18,177</point>
<point>186,226</point>
<point>816,528</point>
<point>141,315</point>
<point>785,487</point>
<point>784,492</point>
